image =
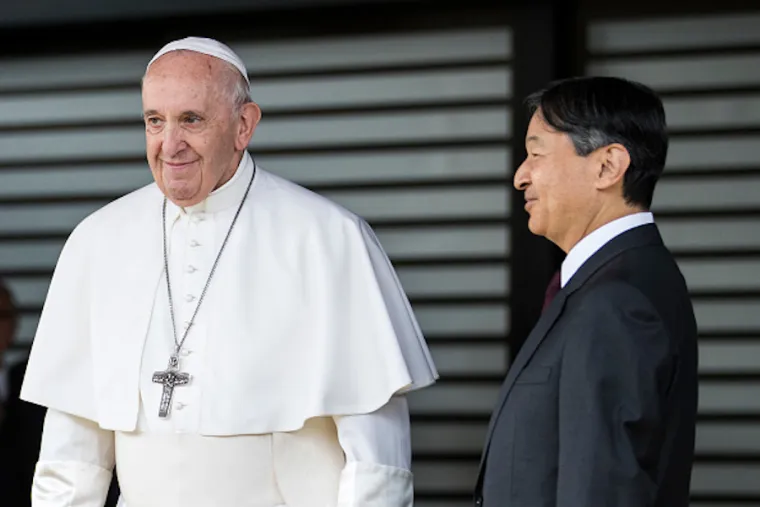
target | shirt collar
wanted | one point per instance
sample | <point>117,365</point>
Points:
<point>224,197</point>
<point>589,245</point>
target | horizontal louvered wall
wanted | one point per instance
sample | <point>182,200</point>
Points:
<point>411,131</point>
<point>707,70</point>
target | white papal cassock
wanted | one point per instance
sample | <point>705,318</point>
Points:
<point>300,356</point>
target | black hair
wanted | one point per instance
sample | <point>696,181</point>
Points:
<point>598,111</point>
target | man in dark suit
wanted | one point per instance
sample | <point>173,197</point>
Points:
<point>599,405</point>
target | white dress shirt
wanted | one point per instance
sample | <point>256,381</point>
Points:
<point>589,245</point>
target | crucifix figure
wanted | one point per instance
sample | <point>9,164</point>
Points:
<point>170,378</point>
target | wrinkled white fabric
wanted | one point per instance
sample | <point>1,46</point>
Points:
<point>307,468</point>
<point>75,464</point>
<point>373,485</point>
<point>304,317</point>
<point>305,323</point>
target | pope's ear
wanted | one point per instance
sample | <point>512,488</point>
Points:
<point>250,116</point>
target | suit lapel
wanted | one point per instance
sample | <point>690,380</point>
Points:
<point>536,336</point>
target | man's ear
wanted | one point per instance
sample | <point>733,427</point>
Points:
<point>250,115</point>
<point>614,160</point>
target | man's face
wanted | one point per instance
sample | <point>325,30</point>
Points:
<point>7,321</point>
<point>190,131</point>
<point>558,184</point>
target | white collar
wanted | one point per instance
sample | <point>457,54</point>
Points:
<point>226,196</point>
<point>589,245</point>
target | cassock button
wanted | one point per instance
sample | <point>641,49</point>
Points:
<point>192,269</point>
<point>189,298</point>
<point>194,243</point>
<point>180,405</point>
<point>185,353</point>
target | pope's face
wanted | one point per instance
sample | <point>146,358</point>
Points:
<point>193,139</point>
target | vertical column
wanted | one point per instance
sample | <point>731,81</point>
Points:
<point>533,258</point>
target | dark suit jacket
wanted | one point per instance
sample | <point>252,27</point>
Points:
<point>20,437</point>
<point>599,407</point>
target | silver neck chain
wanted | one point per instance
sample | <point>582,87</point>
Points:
<point>178,344</point>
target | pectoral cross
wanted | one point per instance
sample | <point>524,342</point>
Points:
<point>170,378</point>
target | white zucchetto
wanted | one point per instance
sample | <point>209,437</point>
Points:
<point>206,46</point>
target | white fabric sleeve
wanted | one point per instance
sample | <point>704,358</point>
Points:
<point>378,457</point>
<point>75,465</point>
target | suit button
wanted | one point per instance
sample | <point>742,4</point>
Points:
<point>479,501</point>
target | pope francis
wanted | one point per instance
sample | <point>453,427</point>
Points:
<point>222,336</point>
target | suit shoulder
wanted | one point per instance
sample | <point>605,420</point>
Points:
<point>613,300</point>
<point>615,320</point>
<point>613,292</point>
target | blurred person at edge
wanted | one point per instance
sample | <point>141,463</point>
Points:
<point>20,422</point>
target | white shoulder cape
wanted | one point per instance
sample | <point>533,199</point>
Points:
<point>308,315</point>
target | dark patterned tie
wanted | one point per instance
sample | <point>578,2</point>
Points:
<point>551,290</point>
